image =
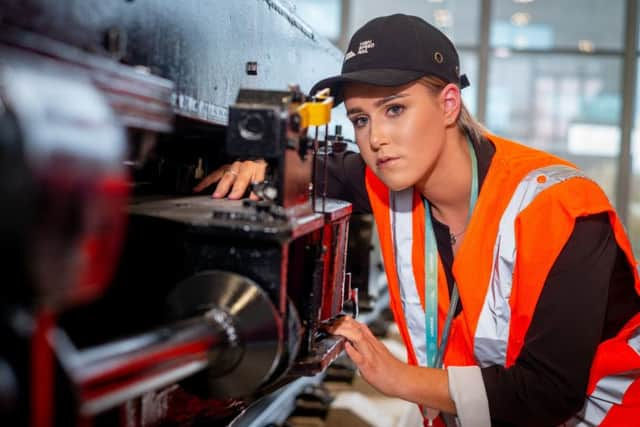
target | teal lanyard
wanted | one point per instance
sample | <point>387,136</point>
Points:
<point>434,353</point>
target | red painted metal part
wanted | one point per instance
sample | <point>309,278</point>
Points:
<point>42,372</point>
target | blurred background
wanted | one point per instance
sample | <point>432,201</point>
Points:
<point>558,75</point>
<point>133,301</point>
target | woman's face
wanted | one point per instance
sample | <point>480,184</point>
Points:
<point>400,130</point>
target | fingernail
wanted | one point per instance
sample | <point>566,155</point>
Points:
<point>215,195</point>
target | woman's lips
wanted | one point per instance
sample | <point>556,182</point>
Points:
<point>386,161</point>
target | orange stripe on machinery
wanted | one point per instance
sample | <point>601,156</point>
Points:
<point>524,193</point>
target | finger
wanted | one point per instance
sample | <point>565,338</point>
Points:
<point>344,320</point>
<point>210,179</point>
<point>260,171</point>
<point>243,179</point>
<point>226,181</point>
<point>258,176</point>
<point>353,354</point>
<point>345,323</point>
<point>367,332</point>
<point>353,334</point>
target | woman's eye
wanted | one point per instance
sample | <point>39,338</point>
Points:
<point>359,122</point>
<point>395,109</point>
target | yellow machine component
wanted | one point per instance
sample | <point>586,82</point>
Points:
<point>318,111</point>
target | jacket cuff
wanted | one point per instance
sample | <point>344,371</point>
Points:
<point>470,396</point>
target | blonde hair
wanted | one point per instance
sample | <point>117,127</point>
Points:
<point>465,121</point>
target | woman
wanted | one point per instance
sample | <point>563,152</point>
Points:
<point>505,264</point>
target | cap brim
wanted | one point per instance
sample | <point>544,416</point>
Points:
<point>378,77</point>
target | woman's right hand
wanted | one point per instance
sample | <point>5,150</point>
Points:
<point>234,179</point>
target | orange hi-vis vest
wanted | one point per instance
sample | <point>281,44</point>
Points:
<point>524,215</point>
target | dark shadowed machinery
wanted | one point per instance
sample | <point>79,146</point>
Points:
<point>127,299</point>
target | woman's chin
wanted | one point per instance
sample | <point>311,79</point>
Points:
<point>396,184</point>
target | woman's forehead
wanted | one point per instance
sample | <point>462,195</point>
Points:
<point>354,92</point>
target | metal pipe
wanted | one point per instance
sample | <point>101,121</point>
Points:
<point>483,60</point>
<point>110,374</point>
<point>623,178</point>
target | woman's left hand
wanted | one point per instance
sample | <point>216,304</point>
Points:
<point>376,363</point>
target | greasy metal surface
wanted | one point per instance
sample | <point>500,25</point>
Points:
<point>359,254</point>
<point>230,217</point>
<point>266,125</point>
<point>202,46</point>
<point>333,209</point>
<point>323,353</point>
<point>140,100</point>
<point>335,296</point>
<point>251,322</point>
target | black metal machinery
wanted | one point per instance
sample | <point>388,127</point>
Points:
<point>128,300</point>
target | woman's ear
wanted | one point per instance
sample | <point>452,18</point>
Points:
<point>451,102</point>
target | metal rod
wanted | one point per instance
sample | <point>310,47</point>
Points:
<point>623,178</point>
<point>111,374</point>
<point>345,18</point>
<point>314,172</point>
<point>483,61</point>
<point>324,167</point>
<point>555,51</point>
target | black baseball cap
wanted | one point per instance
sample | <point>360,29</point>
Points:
<point>394,50</point>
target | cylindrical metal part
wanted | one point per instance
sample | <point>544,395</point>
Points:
<point>250,321</point>
<point>110,374</point>
<point>226,329</point>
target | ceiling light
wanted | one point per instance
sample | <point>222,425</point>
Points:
<point>502,52</point>
<point>586,46</point>
<point>520,19</point>
<point>521,42</point>
<point>523,1</point>
<point>442,18</point>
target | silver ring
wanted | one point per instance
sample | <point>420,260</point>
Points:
<point>234,173</point>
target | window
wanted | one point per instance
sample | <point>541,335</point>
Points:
<point>581,25</point>
<point>564,104</point>
<point>324,16</point>
<point>458,19</point>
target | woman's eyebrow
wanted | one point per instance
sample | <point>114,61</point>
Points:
<point>386,99</point>
<point>378,103</point>
<point>354,110</point>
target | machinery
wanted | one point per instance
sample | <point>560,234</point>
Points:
<point>128,299</point>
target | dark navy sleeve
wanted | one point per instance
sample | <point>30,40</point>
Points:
<point>548,382</point>
<point>345,179</point>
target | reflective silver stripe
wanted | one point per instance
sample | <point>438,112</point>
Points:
<point>401,203</point>
<point>609,391</point>
<point>492,333</point>
<point>634,341</point>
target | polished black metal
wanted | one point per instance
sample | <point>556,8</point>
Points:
<point>265,125</point>
<point>251,325</point>
<point>203,47</point>
<point>71,189</point>
<point>359,256</point>
<point>139,99</point>
<point>163,73</point>
<point>323,352</point>
<point>109,374</point>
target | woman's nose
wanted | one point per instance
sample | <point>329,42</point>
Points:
<point>377,137</point>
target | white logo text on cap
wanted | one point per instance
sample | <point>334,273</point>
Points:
<point>365,46</point>
<point>349,55</point>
